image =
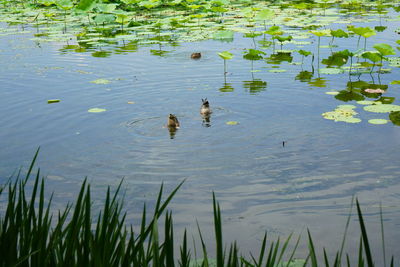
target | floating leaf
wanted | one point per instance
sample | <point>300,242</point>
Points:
<point>232,122</point>
<point>332,93</point>
<point>277,70</point>
<point>395,82</point>
<point>378,121</point>
<point>50,101</point>
<point>386,108</point>
<point>223,36</point>
<point>330,71</point>
<point>265,14</point>
<point>101,81</point>
<point>96,110</point>
<point>344,113</point>
<point>368,102</point>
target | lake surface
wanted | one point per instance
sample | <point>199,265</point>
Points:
<point>282,168</point>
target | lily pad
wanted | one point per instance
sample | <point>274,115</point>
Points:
<point>368,102</point>
<point>232,123</point>
<point>382,108</point>
<point>51,101</point>
<point>330,71</point>
<point>101,81</point>
<point>332,93</point>
<point>344,113</point>
<point>96,110</point>
<point>378,121</point>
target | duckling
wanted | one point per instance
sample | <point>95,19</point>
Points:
<point>173,121</point>
<point>205,109</point>
<point>196,55</point>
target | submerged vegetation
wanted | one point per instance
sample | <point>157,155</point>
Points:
<point>33,234</point>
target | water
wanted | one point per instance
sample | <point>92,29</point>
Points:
<point>281,169</point>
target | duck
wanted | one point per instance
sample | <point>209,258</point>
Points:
<point>205,109</point>
<point>195,55</point>
<point>173,121</point>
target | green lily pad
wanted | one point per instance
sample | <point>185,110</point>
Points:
<point>382,108</point>
<point>330,71</point>
<point>368,102</point>
<point>96,110</point>
<point>232,123</point>
<point>332,93</point>
<point>50,101</point>
<point>395,82</point>
<point>378,121</point>
<point>101,81</point>
<point>277,70</point>
<point>344,113</point>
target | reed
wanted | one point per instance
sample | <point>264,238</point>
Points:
<point>31,234</point>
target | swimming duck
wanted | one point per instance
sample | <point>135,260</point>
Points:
<point>196,55</point>
<point>205,109</point>
<point>173,121</point>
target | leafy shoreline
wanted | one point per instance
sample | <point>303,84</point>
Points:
<point>30,236</point>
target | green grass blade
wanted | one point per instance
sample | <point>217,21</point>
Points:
<point>364,236</point>
<point>218,233</point>
<point>383,236</point>
<point>345,230</point>
<point>313,256</point>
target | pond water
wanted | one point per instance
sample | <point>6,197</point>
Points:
<point>281,168</point>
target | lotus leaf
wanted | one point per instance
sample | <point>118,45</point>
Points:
<point>372,55</point>
<point>395,82</point>
<point>330,71</point>
<point>223,36</point>
<point>385,49</point>
<point>85,5</point>
<point>304,52</point>
<point>368,102</point>
<point>50,101</point>
<point>254,54</point>
<point>265,14</point>
<point>339,33</point>
<point>385,108</point>
<point>332,93</point>
<point>232,123</point>
<point>101,81</point>
<point>378,121</point>
<point>96,110</point>
<point>344,113</point>
<point>321,33</point>
<point>225,55</point>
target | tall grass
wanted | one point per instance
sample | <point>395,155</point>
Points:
<point>31,234</point>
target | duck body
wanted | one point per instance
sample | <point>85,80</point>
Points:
<point>173,121</point>
<point>196,55</point>
<point>205,109</point>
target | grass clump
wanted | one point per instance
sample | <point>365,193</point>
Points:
<point>31,234</point>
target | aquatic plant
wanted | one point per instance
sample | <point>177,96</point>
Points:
<point>225,55</point>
